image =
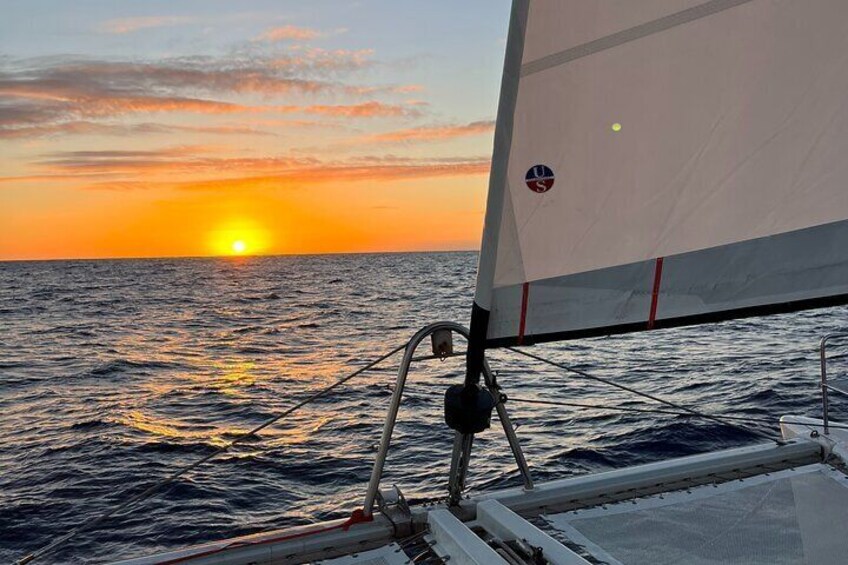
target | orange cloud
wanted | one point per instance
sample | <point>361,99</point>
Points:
<point>95,128</point>
<point>50,178</point>
<point>69,128</point>
<point>301,178</point>
<point>409,88</point>
<point>150,169</point>
<point>116,106</point>
<point>49,98</point>
<point>314,175</point>
<point>433,133</point>
<point>72,80</point>
<point>364,110</point>
<point>128,25</point>
<point>289,33</point>
<point>315,59</point>
<point>296,123</point>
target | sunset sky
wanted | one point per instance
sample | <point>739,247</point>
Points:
<point>185,128</point>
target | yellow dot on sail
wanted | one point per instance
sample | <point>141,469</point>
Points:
<point>616,126</point>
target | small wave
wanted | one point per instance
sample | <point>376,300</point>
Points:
<point>89,424</point>
<point>119,366</point>
<point>591,458</point>
<point>171,447</point>
<point>248,329</point>
<point>761,397</point>
<point>255,350</point>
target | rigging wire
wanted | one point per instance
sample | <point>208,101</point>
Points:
<point>758,419</point>
<point>681,407</point>
<point>153,489</point>
<point>619,408</point>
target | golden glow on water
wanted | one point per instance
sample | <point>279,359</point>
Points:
<point>236,377</point>
<point>301,431</point>
<point>174,429</point>
<point>138,420</point>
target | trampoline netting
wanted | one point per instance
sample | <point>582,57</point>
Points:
<point>793,516</point>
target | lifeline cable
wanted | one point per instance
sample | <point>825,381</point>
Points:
<point>151,490</point>
<point>691,411</point>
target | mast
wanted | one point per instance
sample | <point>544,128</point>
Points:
<point>497,187</point>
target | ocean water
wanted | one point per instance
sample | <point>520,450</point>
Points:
<point>115,373</point>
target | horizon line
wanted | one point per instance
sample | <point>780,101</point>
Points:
<point>235,257</point>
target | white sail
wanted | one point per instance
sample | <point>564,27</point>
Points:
<point>666,162</point>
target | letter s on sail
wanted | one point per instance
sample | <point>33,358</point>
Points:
<point>539,178</point>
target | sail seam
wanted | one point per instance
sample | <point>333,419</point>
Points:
<point>628,35</point>
<point>522,324</point>
<point>655,293</point>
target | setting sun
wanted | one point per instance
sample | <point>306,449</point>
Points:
<point>239,236</point>
<point>239,247</point>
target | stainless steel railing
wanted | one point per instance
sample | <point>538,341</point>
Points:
<point>397,396</point>
<point>826,387</point>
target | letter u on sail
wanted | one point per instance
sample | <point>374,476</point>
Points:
<point>697,156</point>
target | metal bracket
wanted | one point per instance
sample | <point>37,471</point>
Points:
<point>393,505</point>
<point>442,342</point>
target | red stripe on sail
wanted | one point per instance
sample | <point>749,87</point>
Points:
<point>655,295</point>
<point>525,293</point>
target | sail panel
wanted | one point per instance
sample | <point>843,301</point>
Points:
<point>716,124</point>
<point>782,273</point>
<point>558,25</point>
<point>732,128</point>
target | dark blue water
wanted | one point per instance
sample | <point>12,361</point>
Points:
<point>115,373</point>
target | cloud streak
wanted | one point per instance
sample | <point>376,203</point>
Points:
<point>289,33</point>
<point>129,25</point>
<point>56,96</point>
<point>371,109</point>
<point>209,168</point>
<point>433,133</point>
<point>95,128</point>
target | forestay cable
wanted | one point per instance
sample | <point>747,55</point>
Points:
<point>150,491</point>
